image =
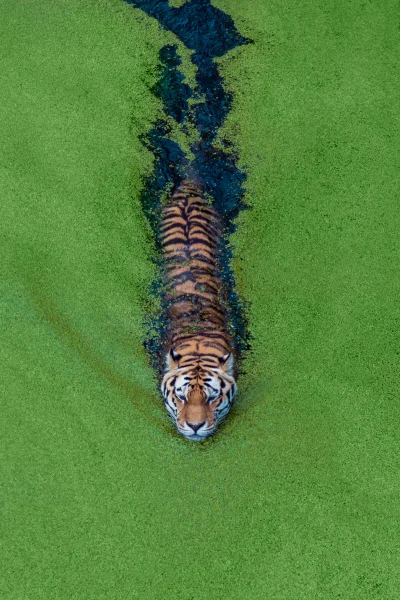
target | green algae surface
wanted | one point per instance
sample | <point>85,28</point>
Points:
<point>297,496</point>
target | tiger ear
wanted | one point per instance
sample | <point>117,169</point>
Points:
<point>227,363</point>
<point>172,359</point>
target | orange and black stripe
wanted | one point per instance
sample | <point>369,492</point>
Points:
<point>189,233</point>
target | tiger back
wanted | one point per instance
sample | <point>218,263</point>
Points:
<point>198,385</point>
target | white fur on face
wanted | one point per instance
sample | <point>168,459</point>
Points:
<point>216,382</point>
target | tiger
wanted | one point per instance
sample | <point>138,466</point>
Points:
<point>199,381</point>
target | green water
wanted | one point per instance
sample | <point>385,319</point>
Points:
<point>298,495</point>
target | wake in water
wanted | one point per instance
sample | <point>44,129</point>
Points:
<point>209,33</point>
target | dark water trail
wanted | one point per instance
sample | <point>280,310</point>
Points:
<point>209,33</point>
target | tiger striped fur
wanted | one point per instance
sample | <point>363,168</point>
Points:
<point>198,385</point>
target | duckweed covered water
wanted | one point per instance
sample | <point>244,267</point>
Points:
<point>297,496</point>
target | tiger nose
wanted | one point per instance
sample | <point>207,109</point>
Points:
<point>195,426</point>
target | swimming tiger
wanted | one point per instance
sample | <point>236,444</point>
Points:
<point>198,384</point>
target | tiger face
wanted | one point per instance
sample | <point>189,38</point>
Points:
<point>197,397</point>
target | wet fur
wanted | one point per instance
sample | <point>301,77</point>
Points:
<point>199,354</point>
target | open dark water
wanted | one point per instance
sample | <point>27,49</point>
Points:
<point>209,33</point>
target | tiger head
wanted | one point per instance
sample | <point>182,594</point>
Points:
<point>198,397</point>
